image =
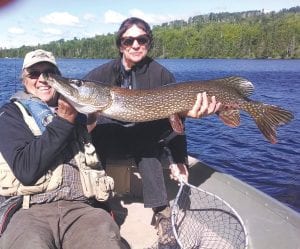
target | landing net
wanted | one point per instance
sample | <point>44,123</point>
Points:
<point>203,220</point>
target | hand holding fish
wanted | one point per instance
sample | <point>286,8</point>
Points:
<point>203,107</point>
<point>65,110</point>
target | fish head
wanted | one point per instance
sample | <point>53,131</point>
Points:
<point>86,96</point>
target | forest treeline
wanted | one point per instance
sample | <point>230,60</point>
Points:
<point>249,34</point>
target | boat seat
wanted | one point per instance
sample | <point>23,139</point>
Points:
<point>127,179</point>
<point>125,173</point>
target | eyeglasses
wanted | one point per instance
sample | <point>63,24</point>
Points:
<point>129,40</point>
<point>35,74</point>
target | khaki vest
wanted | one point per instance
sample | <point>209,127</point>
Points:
<point>95,182</point>
<point>10,185</point>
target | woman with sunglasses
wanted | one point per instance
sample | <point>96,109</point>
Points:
<point>145,142</point>
<point>42,151</point>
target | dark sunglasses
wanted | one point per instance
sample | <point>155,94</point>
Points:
<point>34,74</point>
<point>129,40</point>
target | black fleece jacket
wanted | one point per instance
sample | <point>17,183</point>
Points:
<point>28,156</point>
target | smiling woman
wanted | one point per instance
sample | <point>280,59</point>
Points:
<point>32,77</point>
<point>51,162</point>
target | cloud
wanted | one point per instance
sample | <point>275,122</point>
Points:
<point>152,18</point>
<point>16,30</point>
<point>52,31</point>
<point>89,17</point>
<point>60,18</point>
<point>114,17</point>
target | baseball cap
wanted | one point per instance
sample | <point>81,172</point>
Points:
<point>37,56</point>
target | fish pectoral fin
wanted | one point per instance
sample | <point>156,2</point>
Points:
<point>230,117</point>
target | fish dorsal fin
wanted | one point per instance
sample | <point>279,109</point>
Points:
<point>242,85</point>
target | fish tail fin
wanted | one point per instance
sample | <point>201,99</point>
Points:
<point>268,118</point>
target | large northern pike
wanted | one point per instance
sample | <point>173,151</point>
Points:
<point>146,105</point>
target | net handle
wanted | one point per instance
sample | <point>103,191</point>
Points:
<point>175,208</point>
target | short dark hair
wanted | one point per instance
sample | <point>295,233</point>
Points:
<point>128,23</point>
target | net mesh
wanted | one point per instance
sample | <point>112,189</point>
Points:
<point>203,220</point>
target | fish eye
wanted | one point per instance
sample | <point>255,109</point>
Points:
<point>76,82</point>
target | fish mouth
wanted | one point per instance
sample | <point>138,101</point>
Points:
<point>60,84</point>
<point>65,88</point>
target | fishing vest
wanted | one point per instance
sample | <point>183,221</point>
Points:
<point>95,183</point>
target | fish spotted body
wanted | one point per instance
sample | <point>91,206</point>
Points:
<point>152,104</point>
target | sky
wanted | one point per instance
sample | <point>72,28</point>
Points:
<point>33,22</point>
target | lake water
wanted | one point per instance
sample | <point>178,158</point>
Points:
<point>242,152</point>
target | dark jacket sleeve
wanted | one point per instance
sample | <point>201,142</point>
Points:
<point>164,75</point>
<point>28,156</point>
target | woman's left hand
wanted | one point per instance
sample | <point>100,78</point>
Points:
<point>202,107</point>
